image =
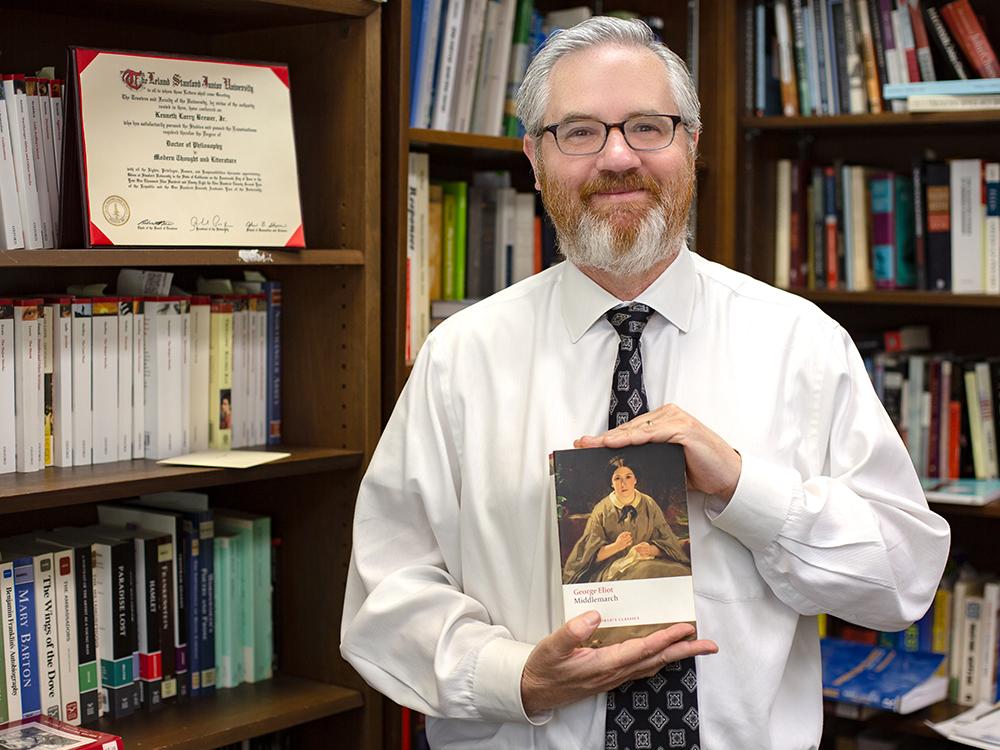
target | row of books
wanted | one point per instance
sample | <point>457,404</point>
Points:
<point>466,241</point>
<point>859,228</point>
<point>166,599</point>
<point>89,380</point>
<point>31,130</point>
<point>829,57</point>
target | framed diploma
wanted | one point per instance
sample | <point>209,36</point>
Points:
<point>181,151</point>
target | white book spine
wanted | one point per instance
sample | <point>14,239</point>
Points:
<point>126,345</point>
<point>66,635</point>
<point>11,654</point>
<point>47,631</point>
<point>105,380</point>
<point>7,437</point>
<point>444,86</point>
<point>991,633</point>
<point>36,155</point>
<point>27,387</point>
<point>496,91</point>
<point>83,415</point>
<point>967,226</point>
<point>185,376</point>
<point>138,367</point>
<point>201,313</point>
<point>239,400</point>
<point>27,190</point>
<point>253,375</point>
<point>477,122</point>
<point>10,210</point>
<point>162,378</point>
<point>48,147</point>
<point>984,393</point>
<point>48,324</point>
<point>56,104</point>
<point>261,352</point>
<point>468,65</point>
<point>524,240</point>
<point>783,223</point>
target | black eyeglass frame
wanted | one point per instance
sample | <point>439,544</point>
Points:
<point>675,119</point>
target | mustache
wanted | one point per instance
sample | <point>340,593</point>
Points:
<point>607,183</point>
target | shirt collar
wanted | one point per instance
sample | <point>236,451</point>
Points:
<point>584,302</point>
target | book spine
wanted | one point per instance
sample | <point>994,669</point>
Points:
<point>147,576</point>
<point>472,44</point>
<point>971,651</point>
<point>27,636</point>
<point>991,226</point>
<point>801,62</point>
<point>937,181</point>
<point>942,39</point>
<point>200,346</point>
<point>273,291</point>
<point>66,636</point>
<point>126,344</point>
<point>24,170</point>
<point>883,230</point>
<point>111,580</point>
<point>88,668</point>
<point>138,383</point>
<point>919,222</point>
<point>239,397</point>
<point>832,261</point>
<point>47,632</point>
<point>966,226</point>
<point>222,612</point>
<point>906,271</point>
<point>969,34</point>
<point>192,602</point>
<point>184,356</point>
<point>221,376</point>
<point>786,62</point>
<point>444,85</point>
<point>921,42</point>
<point>11,655</point>
<point>12,234</point>
<point>8,443</point>
<point>104,382</point>
<point>165,618</point>
<point>783,224</point>
<point>36,157</point>
<point>263,645</point>
<point>82,372</point>
<point>28,431</point>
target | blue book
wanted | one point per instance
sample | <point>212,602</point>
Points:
<point>27,635</point>
<point>272,292</point>
<point>961,491</point>
<point>886,678</point>
<point>968,87</point>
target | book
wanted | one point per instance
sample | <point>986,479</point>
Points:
<point>45,731</point>
<point>958,87</point>
<point>783,224</point>
<point>968,32</point>
<point>220,425</point>
<point>417,322</point>
<point>937,186</point>
<point>88,681</point>
<point>29,667</point>
<point>883,213</point>
<point>966,226</point>
<point>919,221</point>
<point>491,94</point>
<point>904,240</point>
<point>425,31</point>
<point>468,65</point>
<point>28,396</point>
<point>886,678</point>
<point>126,347</point>
<point>962,491</point>
<point>921,41</point>
<point>66,635</point>
<point>199,354</point>
<point>853,60</point>
<point>8,648</point>
<point>943,42</point>
<point>12,235</point>
<point>36,156</point>
<point>230,597</point>
<point>645,579</point>
<point>801,56</point>
<point>455,226</point>
<point>991,227</point>
<point>953,103</point>
<point>786,60</point>
<point>447,64</point>
<point>272,413</point>
<point>257,624</point>
<point>138,378</point>
<point>894,65</point>
<point>104,388</point>
<point>184,355</point>
<point>27,188</point>
<point>8,461</point>
<point>520,56</point>
<point>162,382</point>
<point>866,43</point>
<point>240,397</point>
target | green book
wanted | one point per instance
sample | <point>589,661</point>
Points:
<point>459,191</point>
<point>448,246</point>
<point>254,531</point>
<point>520,56</point>
<point>228,603</point>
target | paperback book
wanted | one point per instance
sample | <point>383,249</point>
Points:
<point>623,546</point>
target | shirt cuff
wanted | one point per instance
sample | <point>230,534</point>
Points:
<point>497,683</point>
<point>760,505</point>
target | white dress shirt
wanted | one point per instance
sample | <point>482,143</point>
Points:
<point>451,577</point>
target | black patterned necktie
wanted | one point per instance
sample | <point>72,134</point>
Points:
<point>660,712</point>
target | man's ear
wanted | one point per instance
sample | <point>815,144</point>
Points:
<point>529,145</point>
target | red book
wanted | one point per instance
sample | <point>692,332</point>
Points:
<point>969,34</point>
<point>43,731</point>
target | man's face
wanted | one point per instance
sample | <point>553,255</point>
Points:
<point>619,210</point>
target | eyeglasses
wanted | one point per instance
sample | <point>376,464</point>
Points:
<point>642,133</point>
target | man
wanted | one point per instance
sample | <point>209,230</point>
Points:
<point>802,497</point>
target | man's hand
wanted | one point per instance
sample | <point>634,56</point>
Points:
<point>713,466</point>
<point>559,671</point>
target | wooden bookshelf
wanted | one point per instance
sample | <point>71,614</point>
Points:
<point>330,343</point>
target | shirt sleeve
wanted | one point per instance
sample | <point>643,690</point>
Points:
<point>853,536</point>
<point>408,627</point>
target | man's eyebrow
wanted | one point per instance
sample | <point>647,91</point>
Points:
<point>578,115</point>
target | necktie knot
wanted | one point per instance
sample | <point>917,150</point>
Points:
<point>630,321</point>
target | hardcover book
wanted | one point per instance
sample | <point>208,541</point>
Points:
<point>44,731</point>
<point>623,546</point>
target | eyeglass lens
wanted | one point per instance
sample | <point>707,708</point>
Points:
<point>644,133</point>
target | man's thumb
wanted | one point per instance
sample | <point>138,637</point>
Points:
<point>579,629</point>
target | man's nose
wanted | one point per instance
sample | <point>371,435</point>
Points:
<point>617,155</point>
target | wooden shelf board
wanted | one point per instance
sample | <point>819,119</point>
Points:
<point>886,119</point>
<point>420,136</point>
<point>145,257</point>
<point>56,487</point>
<point>901,297</point>
<point>232,715</point>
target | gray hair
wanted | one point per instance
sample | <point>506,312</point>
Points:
<point>533,94</point>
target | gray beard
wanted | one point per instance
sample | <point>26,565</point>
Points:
<point>592,245</point>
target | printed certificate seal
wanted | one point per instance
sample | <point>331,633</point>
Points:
<point>116,210</point>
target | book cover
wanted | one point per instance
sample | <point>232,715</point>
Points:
<point>873,89</point>
<point>150,549</point>
<point>906,261</point>
<point>8,462</point>
<point>883,197</point>
<point>47,647</point>
<point>623,547</point>
<point>272,290</point>
<point>27,631</point>
<point>968,32</point>
<point>921,41</point>
<point>47,732</point>
<point>991,227</point>
<point>48,146</point>
<point>943,42</point>
<point>886,678</point>
<point>104,389</point>
<point>36,155</point>
<point>138,441</point>
<point>66,634</point>
<point>962,491</point>
<point>24,172</point>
